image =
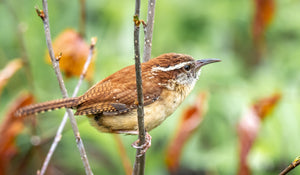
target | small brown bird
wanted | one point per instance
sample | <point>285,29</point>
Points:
<point>111,104</point>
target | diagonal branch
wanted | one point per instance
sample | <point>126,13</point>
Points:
<point>44,15</point>
<point>65,118</point>
<point>293,165</point>
<point>149,30</point>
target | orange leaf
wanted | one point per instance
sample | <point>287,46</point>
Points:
<point>249,125</point>
<point>9,129</point>
<point>10,69</point>
<point>266,105</point>
<point>73,52</point>
<point>190,121</point>
<point>264,12</point>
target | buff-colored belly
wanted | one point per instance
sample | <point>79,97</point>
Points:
<point>155,114</point>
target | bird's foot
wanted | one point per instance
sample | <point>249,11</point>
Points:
<point>144,147</point>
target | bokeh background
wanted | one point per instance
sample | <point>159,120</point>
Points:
<point>257,40</point>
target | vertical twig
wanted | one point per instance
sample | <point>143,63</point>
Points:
<point>139,164</point>
<point>149,31</point>
<point>65,118</point>
<point>82,18</point>
<point>44,15</point>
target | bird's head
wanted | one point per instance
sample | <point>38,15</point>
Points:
<point>178,68</point>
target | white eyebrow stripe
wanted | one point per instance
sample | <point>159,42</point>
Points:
<point>165,69</point>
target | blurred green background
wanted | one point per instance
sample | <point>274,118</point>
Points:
<point>201,28</point>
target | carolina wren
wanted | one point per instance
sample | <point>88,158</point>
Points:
<point>111,104</point>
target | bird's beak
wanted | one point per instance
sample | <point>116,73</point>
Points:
<point>200,63</point>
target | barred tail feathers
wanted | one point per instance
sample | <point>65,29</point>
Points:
<point>47,106</point>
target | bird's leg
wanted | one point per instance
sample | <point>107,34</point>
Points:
<point>144,147</point>
<point>135,144</point>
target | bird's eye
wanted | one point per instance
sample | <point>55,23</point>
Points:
<point>187,67</point>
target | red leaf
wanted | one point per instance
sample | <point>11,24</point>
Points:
<point>9,129</point>
<point>264,12</point>
<point>190,121</point>
<point>249,125</point>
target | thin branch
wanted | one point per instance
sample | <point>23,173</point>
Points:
<point>44,16</point>
<point>293,165</point>
<point>139,164</point>
<point>65,118</point>
<point>149,30</point>
<point>82,18</point>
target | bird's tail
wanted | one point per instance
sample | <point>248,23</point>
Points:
<point>46,106</point>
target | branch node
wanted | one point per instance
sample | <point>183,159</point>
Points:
<point>93,42</point>
<point>138,21</point>
<point>144,23</point>
<point>58,57</point>
<point>40,13</point>
<point>293,165</point>
<point>78,137</point>
<point>296,161</point>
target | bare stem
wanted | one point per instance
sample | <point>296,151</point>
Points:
<point>139,164</point>
<point>44,16</point>
<point>293,165</point>
<point>65,118</point>
<point>149,30</point>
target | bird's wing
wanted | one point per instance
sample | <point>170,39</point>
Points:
<point>116,95</point>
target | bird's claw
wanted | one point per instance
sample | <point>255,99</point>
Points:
<point>144,147</point>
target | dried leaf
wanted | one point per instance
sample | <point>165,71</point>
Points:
<point>249,125</point>
<point>8,71</point>
<point>74,52</point>
<point>264,13</point>
<point>190,121</point>
<point>266,105</point>
<point>9,129</point>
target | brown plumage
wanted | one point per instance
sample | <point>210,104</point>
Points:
<point>111,104</point>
